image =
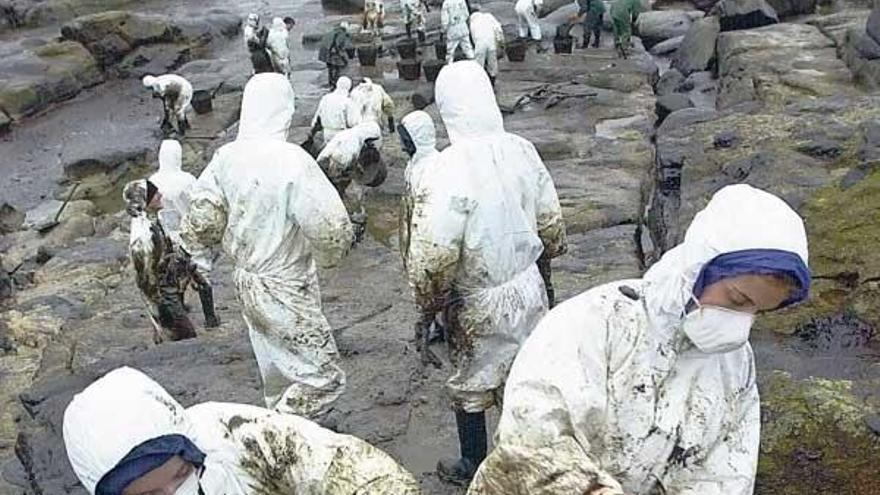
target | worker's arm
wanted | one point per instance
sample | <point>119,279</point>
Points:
<point>204,225</point>
<point>548,212</point>
<point>731,464</point>
<point>437,227</point>
<point>551,412</point>
<point>444,17</point>
<point>315,204</point>
<point>388,110</point>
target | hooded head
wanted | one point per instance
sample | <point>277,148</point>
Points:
<point>466,101</point>
<point>149,81</point>
<point>253,20</point>
<point>367,131</point>
<point>170,156</point>
<point>267,107</point>
<point>742,231</point>
<point>418,128</point>
<point>120,427</point>
<point>343,86</point>
<point>278,23</point>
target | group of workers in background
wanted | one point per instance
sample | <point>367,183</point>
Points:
<point>634,387</point>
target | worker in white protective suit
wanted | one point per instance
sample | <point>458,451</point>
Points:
<point>484,212</point>
<point>176,94</point>
<point>454,17</point>
<point>415,13</point>
<point>125,435</point>
<point>369,101</point>
<point>341,161</point>
<point>277,46</point>
<point>277,217</point>
<point>175,186</point>
<point>418,138</point>
<point>488,41</point>
<point>527,20</point>
<point>374,17</point>
<point>652,383</point>
<point>251,27</point>
<point>331,117</point>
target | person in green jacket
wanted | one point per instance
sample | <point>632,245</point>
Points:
<point>590,13</point>
<point>624,14</point>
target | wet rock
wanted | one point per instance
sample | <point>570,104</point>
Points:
<point>666,47</point>
<point>866,47</point>
<point>5,123</point>
<point>102,172</point>
<point>218,74</point>
<point>686,117</point>
<point>744,14</point>
<point>697,51</point>
<point>786,8</point>
<point>595,258</point>
<point>656,26</point>
<point>6,287</point>
<point>799,416</point>
<point>671,103</point>
<point>669,82</point>
<point>33,79</point>
<point>701,88</point>
<point>33,13</point>
<point>45,213</point>
<point>778,64</point>
<point>10,219</point>
<point>872,27</point>
<point>835,332</point>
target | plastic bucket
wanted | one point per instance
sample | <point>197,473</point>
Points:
<point>432,69</point>
<point>563,45</point>
<point>406,49</point>
<point>409,69</point>
<point>516,51</point>
<point>440,49</point>
<point>367,55</point>
<point>202,101</point>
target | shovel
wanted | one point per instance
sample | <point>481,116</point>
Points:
<point>54,223</point>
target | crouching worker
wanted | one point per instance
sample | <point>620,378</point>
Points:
<point>352,158</point>
<point>125,435</point>
<point>163,270</point>
<point>176,94</point>
<point>652,383</point>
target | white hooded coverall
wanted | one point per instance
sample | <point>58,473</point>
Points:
<point>484,211</point>
<point>276,44</point>
<point>488,38</point>
<point>608,392</point>
<point>333,109</point>
<point>276,215</point>
<point>172,84</point>
<point>175,186</point>
<point>424,135</point>
<point>339,159</point>
<point>369,101</point>
<point>454,21</point>
<point>248,450</point>
<point>250,30</point>
<point>527,18</point>
<point>414,13</point>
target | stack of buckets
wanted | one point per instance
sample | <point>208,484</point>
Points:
<point>410,67</point>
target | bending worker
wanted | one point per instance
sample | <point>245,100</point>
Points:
<point>176,94</point>
<point>415,13</point>
<point>624,14</point>
<point>454,15</point>
<point>125,434</point>
<point>484,211</point>
<point>370,102</point>
<point>590,13</point>
<point>488,41</point>
<point>277,217</point>
<point>331,117</point>
<point>278,47</point>
<point>652,387</point>
<point>527,20</point>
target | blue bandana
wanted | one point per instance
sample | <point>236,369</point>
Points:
<point>757,262</point>
<point>147,457</point>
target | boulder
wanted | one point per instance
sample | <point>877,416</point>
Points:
<point>701,88</point>
<point>33,79</point>
<point>786,8</point>
<point>11,219</point>
<point>866,47</point>
<point>873,24</point>
<point>778,64</point>
<point>45,213</point>
<point>671,103</point>
<point>744,14</point>
<point>666,47</point>
<point>697,50</point>
<point>657,26</point>
<point>34,13</point>
<point>669,82</point>
<point>705,5</point>
<point>5,123</point>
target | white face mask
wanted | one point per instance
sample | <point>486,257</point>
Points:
<point>716,330</point>
<point>190,486</point>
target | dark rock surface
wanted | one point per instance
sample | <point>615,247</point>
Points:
<point>697,50</point>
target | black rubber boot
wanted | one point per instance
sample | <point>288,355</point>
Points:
<point>586,42</point>
<point>206,297</point>
<point>596,41</point>
<point>473,443</point>
<point>422,36</point>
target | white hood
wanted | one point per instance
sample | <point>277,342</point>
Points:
<point>737,218</point>
<point>343,86</point>
<point>421,129</point>
<point>124,409</point>
<point>170,156</point>
<point>267,107</point>
<point>466,101</point>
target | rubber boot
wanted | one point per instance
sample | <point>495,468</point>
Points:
<point>596,35</point>
<point>473,443</point>
<point>586,42</point>
<point>492,80</point>
<point>206,296</point>
<point>422,36</point>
